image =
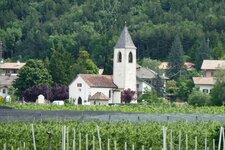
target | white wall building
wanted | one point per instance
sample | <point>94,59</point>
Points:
<point>205,84</point>
<point>209,67</point>
<point>86,85</point>
<point>10,68</point>
<point>90,89</point>
<point>5,83</point>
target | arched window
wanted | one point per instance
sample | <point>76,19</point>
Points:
<point>130,57</point>
<point>119,57</point>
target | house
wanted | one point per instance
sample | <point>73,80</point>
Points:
<point>209,67</point>
<point>10,68</point>
<point>205,84</point>
<point>187,65</point>
<point>146,78</point>
<point>92,89</point>
<point>5,83</point>
<point>8,73</point>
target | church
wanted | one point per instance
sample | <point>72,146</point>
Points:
<point>93,89</point>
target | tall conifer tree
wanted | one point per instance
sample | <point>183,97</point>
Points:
<point>62,67</point>
<point>175,59</point>
<point>202,53</point>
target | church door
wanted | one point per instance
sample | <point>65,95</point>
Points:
<point>79,101</point>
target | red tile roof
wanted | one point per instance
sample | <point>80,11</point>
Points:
<point>187,65</point>
<point>11,65</point>
<point>94,80</point>
<point>212,64</point>
<point>204,80</point>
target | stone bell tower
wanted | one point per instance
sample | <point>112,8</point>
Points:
<point>124,62</point>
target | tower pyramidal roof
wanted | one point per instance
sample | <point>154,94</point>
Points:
<point>125,40</point>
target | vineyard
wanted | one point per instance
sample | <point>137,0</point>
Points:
<point>120,135</point>
<point>81,134</point>
<point>167,108</point>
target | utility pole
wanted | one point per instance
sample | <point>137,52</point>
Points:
<point>1,51</point>
<point>49,139</point>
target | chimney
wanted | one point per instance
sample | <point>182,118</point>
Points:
<point>18,62</point>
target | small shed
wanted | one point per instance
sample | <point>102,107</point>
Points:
<point>99,99</point>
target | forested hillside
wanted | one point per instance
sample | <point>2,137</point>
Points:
<point>30,28</point>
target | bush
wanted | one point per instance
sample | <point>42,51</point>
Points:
<point>198,98</point>
<point>150,97</point>
<point>127,95</point>
<point>31,94</point>
<point>50,93</point>
<point>1,100</point>
<point>217,96</point>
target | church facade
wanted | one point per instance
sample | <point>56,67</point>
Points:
<point>91,89</point>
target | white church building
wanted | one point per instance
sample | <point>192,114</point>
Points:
<point>92,89</point>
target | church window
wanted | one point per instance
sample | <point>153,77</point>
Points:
<point>3,91</point>
<point>130,57</point>
<point>109,93</point>
<point>79,85</point>
<point>119,59</point>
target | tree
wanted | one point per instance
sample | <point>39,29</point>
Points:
<point>198,98</point>
<point>217,93</point>
<point>151,64</point>
<point>62,67</point>
<point>85,64</point>
<point>33,73</point>
<point>127,95</point>
<point>185,87</point>
<point>60,92</point>
<point>175,59</point>
<point>171,89</point>
<point>218,51</point>
<point>149,96</point>
<point>203,52</point>
<point>158,84</point>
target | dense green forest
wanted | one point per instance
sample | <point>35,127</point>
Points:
<point>30,28</point>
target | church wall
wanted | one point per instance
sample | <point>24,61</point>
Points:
<point>79,88</point>
<point>116,97</point>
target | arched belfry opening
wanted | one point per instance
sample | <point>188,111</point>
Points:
<point>130,56</point>
<point>119,57</point>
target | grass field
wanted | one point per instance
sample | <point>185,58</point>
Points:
<point>167,108</point>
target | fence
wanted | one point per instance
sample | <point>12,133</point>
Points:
<point>35,115</point>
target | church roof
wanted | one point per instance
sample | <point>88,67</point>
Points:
<point>125,40</point>
<point>100,81</point>
<point>99,96</point>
